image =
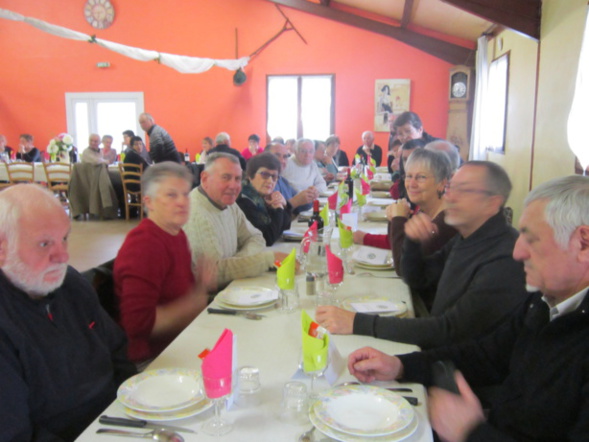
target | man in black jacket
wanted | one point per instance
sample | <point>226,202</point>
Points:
<point>161,145</point>
<point>223,144</point>
<point>62,357</point>
<point>540,357</point>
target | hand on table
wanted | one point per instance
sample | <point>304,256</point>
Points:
<point>454,416</point>
<point>368,364</point>
<point>398,208</point>
<point>336,320</point>
<point>420,228</point>
<point>359,237</point>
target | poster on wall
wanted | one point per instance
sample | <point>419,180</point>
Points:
<point>391,98</point>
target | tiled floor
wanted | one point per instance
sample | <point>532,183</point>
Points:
<point>93,242</point>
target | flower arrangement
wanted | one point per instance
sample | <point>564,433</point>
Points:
<point>60,144</point>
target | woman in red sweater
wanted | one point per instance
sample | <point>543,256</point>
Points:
<point>158,292</point>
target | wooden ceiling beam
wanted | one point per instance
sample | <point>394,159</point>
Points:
<point>325,2</point>
<point>407,12</point>
<point>522,15</point>
<point>443,50</point>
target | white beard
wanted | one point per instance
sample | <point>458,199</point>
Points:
<point>531,289</point>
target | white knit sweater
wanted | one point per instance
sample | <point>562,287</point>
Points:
<point>227,237</point>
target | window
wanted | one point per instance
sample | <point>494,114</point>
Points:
<point>496,107</point>
<point>104,113</point>
<point>300,106</point>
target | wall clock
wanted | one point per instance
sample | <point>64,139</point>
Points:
<point>460,83</point>
<point>99,13</point>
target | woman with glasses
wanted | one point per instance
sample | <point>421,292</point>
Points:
<point>263,206</point>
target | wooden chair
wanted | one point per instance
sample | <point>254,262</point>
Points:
<point>131,178</point>
<point>101,278</point>
<point>58,180</point>
<point>4,178</point>
<point>21,172</point>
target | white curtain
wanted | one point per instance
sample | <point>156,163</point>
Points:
<point>576,126</point>
<point>181,63</point>
<point>477,142</point>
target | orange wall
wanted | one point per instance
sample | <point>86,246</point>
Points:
<point>38,68</point>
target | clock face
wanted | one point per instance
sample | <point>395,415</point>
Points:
<point>99,13</point>
<point>459,90</point>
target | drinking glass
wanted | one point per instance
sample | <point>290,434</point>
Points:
<point>294,406</point>
<point>216,390</point>
<point>249,387</point>
<point>321,361</point>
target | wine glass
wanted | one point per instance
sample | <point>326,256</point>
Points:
<point>217,389</point>
<point>321,363</point>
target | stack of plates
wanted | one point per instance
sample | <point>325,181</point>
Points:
<point>291,235</point>
<point>247,298</point>
<point>379,216</point>
<point>354,413</point>
<point>163,395</point>
<point>380,194</point>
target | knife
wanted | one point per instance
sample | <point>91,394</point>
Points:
<point>248,315</point>
<point>136,423</point>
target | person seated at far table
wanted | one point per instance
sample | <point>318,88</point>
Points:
<point>159,291</point>
<point>62,357</point>
<point>92,154</point>
<point>324,162</point>
<point>369,149</point>
<point>263,206</point>
<point>539,358</point>
<point>253,147</point>
<point>301,172</point>
<point>339,157</point>
<point>217,227</point>
<point>5,151</point>
<point>133,155</point>
<point>223,145</point>
<point>300,201</point>
<point>478,283</point>
<point>27,151</point>
<point>108,153</point>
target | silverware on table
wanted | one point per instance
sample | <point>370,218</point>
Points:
<point>306,436</point>
<point>163,435</point>
<point>247,314</point>
<point>137,423</point>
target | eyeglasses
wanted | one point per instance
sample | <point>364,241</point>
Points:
<point>460,190</point>
<point>282,156</point>
<point>265,175</point>
<point>419,178</point>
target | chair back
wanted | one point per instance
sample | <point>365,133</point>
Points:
<point>131,179</point>
<point>4,178</point>
<point>58,176</point>
<point>21,172</point>
<point>101,279</point>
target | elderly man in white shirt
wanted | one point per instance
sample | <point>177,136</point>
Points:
<point>301,171</point>
<point>92,154</point>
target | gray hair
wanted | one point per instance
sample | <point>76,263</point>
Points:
<point>223,138</point>
<point>567,202</point>
<point>215,156</point>
<point>302,141</point>
<point>107,137</point>
<point>366,132</point>
<point>148,116</point>
<point>435,161</point>
<point>497,180</point>
<point>12,202</point>
<point>449,149</point>
<point>156,174</point>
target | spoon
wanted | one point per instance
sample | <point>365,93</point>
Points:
<point>163,435</point>
<point>306,436</point>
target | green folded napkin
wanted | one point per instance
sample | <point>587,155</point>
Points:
<point>315,351</point>
<point>325,215</point>
<point>285,275</point>
<point>360,199</point>
<point>346,236</point>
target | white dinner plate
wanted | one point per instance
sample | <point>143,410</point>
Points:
<point>363,410</point>
<point>381,202</point>
<point>193,410</point>
<point>381,305</point>
<point>380,216</point>
<point>366,265</point>
<point>247,296</point>
<point>167,389</point>
<point>380,194</point>
<point>221,304</point>
<point>344,437</point>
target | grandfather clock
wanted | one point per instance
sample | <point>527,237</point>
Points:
<point>460,97</point>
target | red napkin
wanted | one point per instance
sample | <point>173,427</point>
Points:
<point>217,367</point>
<point>332,200</point>
<point>346,208</point>
<point>335,267</point>
<point>310,235</point>
<point>365,187</point>
<point>369,174</point>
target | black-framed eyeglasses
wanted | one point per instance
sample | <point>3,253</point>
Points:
<point>265,175</point>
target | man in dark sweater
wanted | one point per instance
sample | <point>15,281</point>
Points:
<point>62,357</point>
<point>161,145</point>
<point>223,144</point>
<point>478,282</point>
<point>540,356</point>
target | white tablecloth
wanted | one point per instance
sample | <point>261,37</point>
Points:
<point>273,345</point>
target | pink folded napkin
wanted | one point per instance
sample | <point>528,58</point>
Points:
<point>310,235</point>
<point>217,367</point>
<point>346,208</point>
<point>365,187</point>
<point>332,201</point>
<point>335,267</point>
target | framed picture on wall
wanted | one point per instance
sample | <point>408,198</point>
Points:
<point>391,98</point>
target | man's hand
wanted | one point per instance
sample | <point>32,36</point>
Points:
<point>306,196</point>
<point>420,228</point>
<point>398,208</point>
<point>455,416</point>
<point>359,237</point>
<point>336,320</point>
<point>368,364</point>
